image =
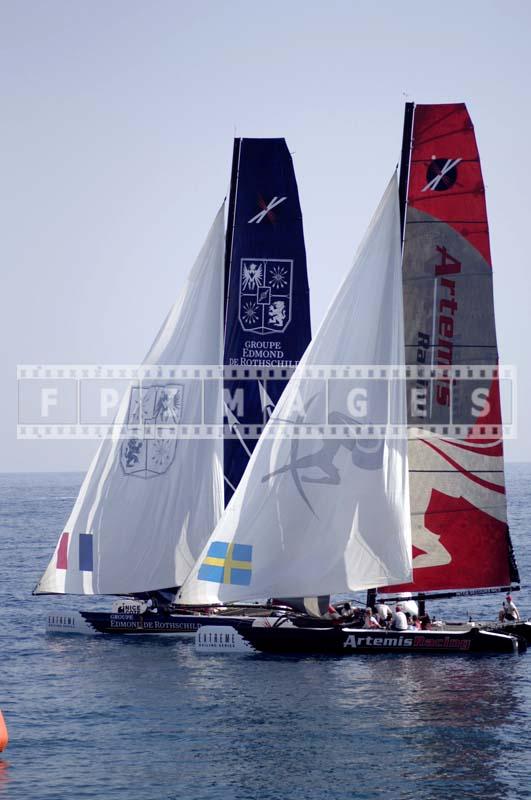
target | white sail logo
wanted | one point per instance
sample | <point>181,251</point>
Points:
<point>266,288</point>
<point>159,404</point>
<point>319,466</point>
<point>273,203</point>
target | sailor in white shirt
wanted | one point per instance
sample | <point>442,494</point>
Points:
<point>382,611</point>
<point>510,611</point>
<point>399,620</point>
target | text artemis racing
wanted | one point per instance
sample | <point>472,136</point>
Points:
<point>445,320</point>
<point>442,642</point>
<point>443,327</point>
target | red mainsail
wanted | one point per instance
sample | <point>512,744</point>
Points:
<point>459,517</point>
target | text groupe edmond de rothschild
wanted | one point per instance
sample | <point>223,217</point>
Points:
<point>268,353</point>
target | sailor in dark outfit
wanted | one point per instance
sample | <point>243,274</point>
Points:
<point>347,612</point>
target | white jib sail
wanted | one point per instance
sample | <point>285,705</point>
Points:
<point>147,507</point>
<point>325,516</point>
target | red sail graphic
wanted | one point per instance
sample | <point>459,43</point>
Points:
<point>445,178</point>
<point>476,541</point>
<point>458,505</point>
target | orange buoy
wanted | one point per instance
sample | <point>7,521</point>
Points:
<point>4,736</point>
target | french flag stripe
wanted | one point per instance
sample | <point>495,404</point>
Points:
<point>85,552</point>
<point>62,552</point>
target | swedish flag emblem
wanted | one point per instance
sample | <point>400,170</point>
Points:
<point>227,563</point>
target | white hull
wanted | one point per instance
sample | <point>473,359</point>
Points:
<point>68,622</point>
<point>213,639</point>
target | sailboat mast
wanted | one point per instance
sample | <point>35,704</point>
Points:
<point>229,236</point>
<point>405,158</point>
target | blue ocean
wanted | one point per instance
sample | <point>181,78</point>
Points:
<point>148,719</point>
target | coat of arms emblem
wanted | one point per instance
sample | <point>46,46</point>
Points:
<point>158,404</point>
<point>266,287</point>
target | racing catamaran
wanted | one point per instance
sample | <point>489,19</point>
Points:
<point>460,536</point>
<point>331,523</point>
<point>150,500</point>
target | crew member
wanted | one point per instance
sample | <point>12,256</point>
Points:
<point>332,613</point>
<point>152,605</point>
<point>347,612</point>
<point>370,620</point>
<point>382,611</point>
<point>399,620</point>
<point>425,622</point>
<point>511,613</point>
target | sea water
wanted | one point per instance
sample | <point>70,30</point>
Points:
<point>142,718</point>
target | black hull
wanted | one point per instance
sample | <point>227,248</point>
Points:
<point>342,641</point>
<point>520,629</point>
<point>149,623</point>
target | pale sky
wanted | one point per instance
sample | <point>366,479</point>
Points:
<point>117,125</point>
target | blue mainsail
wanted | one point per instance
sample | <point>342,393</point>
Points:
<point>267,320</point>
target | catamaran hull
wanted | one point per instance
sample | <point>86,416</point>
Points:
<point>149,623</point>
<point>520,629</point>
<point>350,641</point>
<point>88,623</point>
